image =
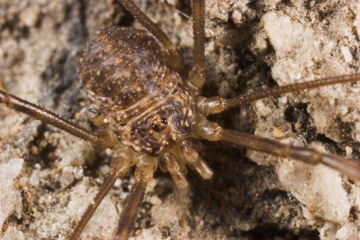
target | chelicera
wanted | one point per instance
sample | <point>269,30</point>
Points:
<point>158,122</point>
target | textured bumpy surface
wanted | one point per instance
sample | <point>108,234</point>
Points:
<point>124,73</point>
<point>126,49</point>
<point>56,175</point>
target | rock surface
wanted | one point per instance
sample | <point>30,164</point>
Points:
<point>48,177</point>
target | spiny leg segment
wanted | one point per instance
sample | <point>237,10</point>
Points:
<point>119,167</point>
<point>143,174</point>
<point>196,78</point>
<point>101,139</point>
<point>213,132</point>
<point>173,56</point>
<point>215,105</point>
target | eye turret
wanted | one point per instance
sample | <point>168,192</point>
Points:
<point>159,124</point>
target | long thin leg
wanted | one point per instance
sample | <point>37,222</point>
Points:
<point>173,56</point>
<point>101,139</point>
<point>307,155</point>
<point>128,215</point>
<point>119,167</point>
<point>143,174</point>
<point>93,206</point>
<point>213,132</point>
<point>197,74</point>
<point>216,104</point>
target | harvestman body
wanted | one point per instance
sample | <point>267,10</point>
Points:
<point>150,109</point>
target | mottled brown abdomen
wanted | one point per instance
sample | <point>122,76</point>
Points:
<point>120,67</point>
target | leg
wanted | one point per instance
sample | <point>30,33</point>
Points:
<point>131,208</point>
<point>193,159</point>
<point>102,139</point>
<point>173,56</point>
<point>197,76</point>
<point>169,163</point>
<point>143,174</point>
<point>175,163</point>
<point>119,167</point>
<point>213,132</point>
<point>215,105</point>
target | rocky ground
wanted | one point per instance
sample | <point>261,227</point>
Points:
<point>47,177</point>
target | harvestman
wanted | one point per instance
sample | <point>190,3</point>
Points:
<point>201,127</point>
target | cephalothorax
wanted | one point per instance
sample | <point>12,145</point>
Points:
<point>149,110</point>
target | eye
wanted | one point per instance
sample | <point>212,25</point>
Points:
<point>155,127</point>
<point>159,124</point>
<point>94,112</point>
